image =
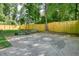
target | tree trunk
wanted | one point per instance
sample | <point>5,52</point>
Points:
<point>76,11</point>
<point>46,25</point>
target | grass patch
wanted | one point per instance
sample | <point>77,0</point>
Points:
<point>3,42</point>
<point>5,33</point>
<point>9,32</point>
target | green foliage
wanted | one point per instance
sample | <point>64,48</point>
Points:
<point>55,12</point>
<point>61,12</point>
<point>3,42</point>
<point>2,17</point>
<point>42,20</point>
<point>33,11</point>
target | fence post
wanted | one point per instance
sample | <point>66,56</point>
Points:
<point>46,24</point>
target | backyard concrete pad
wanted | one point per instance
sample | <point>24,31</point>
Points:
<point>42,44</point>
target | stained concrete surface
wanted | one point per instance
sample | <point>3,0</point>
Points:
<point>42,44</point>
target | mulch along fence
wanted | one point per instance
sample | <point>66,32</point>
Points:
<point>65,26</point>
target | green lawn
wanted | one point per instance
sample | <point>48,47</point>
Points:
<point>5,33</point>
<point>3,41</point>
<point>9,32</point>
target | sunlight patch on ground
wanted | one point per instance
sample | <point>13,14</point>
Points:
<point>26,42</point>
<point>47,38</point>
<point>36,44</point>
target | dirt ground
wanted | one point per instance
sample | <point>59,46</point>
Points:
<point>42,44</point>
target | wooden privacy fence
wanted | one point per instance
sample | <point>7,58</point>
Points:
<point>39,27</point>
<point>9,27</point>
<point>66,26</point>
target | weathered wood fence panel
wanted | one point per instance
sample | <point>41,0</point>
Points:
<point>9,27</point>
<point>66,26</point>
